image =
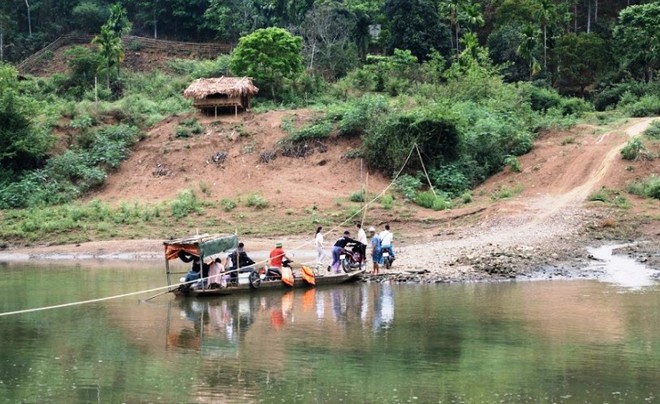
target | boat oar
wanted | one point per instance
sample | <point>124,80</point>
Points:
<point>155,296</point>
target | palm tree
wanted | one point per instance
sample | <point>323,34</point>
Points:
<point>527,48</point>
<point>111,49</point>
<point>545,14</point>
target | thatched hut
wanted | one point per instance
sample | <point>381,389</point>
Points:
<point>221,92</point>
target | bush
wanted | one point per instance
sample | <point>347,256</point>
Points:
<point>513,163</point>
<point>228,205</point>
<point>646,106</point>
<point>185,203</point>
<point>358,196</point>
<point>257,201</point>
<point>632,149</point>
<point>408,186</point>
<point>429,200</point>
<point>653,131</point>
<point>386,201</point>
<point>649,188</point>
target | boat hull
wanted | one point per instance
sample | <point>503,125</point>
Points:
<point>273,285</point>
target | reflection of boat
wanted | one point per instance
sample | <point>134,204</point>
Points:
<point>206,246</point>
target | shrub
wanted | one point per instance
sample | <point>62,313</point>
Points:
<point>429,200</point>
<point>632,149</point>
<point>648,105</point>
<point>653,131</point>
<point>408,186</point>
<point>185,203</point>
<point>358,196</point>
<point>568,140</point>
<point>649,188</point>
<point>228,205</point>
<point>513,163</point>
<point>257,201</point>
<point>386,201</point>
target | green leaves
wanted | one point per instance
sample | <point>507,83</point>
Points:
<point>270,56</point>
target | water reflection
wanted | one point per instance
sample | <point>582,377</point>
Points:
<point>219,325</point>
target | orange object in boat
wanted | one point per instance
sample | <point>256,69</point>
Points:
<point>287,276</point>
<point>308,275</point>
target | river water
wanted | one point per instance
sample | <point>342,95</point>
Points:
<point>519,342</point>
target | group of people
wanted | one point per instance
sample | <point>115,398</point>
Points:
<point>218,274</point>
<point>379,242</point>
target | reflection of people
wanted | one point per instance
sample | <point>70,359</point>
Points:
<point>276,256</point>
<point>376,252</point>
<point>318,241</point>
<point>386,239</point>
<point>338,247</point>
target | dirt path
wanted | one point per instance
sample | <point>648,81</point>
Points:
<point>537,227</point>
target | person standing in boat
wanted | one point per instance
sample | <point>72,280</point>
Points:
<point>362,239</point>
<point>216,277</point>
<point>240,262</point>
<point>318,241</point>
<point>337,249</point>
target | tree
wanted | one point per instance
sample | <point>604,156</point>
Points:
<point>22,145</point>
<point>637,38</point>
<point>527,48</point>
<point>580,60</point>
<point>270,56</point>
<point>109,40</point>
<point>328,47</point>
<point>545,13</point>
<point>415,25</point>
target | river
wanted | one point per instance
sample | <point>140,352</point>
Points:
<point>519,342</point>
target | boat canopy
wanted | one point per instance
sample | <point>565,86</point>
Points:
<point>203,245</point>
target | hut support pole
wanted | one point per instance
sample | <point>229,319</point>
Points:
<point>235,110</point>
<point>167,271</point>
<point>216,112</point>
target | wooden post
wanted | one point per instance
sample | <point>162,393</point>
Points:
<point>216,112</point>
<point>236,111</point>
<point>167,271</point>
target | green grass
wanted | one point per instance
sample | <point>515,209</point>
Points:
<point>648,188</point>
<point>611,197</point>
<point>506,192</point>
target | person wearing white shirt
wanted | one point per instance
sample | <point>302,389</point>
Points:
<point>318,241</point>
<point>387,238</point>
<point>362,238</point>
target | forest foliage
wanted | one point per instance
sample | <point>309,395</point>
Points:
<point>468,84</point>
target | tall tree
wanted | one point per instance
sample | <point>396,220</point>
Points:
<point>109,40</point>
<point>415,25</point>
<point>580,59</point>
<point>545,13</point>
<point>637,37</point>
<point>528,47</point>
<point>328,47</point>
<point>270,55</point>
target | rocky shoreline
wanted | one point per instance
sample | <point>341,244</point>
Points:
<point>498,263</point>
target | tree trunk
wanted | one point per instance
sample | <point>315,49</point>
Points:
<point>29,18</point>
<point>575,18</point>
<point>596,11</point>
<point>2,42</point>
<point>545,48</point>
<point>588,16</point>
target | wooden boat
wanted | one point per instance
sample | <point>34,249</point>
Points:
<point>206,246</point>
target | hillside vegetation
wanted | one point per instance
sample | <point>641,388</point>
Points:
<point>450,95</point>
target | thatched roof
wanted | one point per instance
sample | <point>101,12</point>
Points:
<point>232,86</point>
